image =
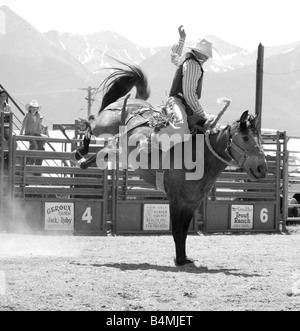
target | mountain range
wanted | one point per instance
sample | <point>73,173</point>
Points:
<point>55,68</point>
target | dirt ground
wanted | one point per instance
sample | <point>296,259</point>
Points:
<point>231,272</point>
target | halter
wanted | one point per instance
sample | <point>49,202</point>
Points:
<point>231,145</point>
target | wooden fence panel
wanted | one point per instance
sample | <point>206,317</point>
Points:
<point>116,199</point>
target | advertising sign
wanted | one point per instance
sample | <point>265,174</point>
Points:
<point>156,217</point>
<point>242,216</point>
<point>59,216</point>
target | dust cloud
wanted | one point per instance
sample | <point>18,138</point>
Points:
<point>23,236</point>
<point>17,245</point>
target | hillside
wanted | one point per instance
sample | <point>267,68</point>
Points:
<point>92,50</point>
<point>51,67</point>
<point>235,77</point>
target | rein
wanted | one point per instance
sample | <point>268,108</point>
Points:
<point>229,163</point>
<point>231,145</point>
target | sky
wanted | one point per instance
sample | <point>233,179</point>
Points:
<point>151,23</point>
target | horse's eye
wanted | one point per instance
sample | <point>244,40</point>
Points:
<point>246,139</point>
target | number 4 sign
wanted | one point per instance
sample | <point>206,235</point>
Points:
<point>87,216</point>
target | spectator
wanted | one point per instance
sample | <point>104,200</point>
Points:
<point>41,143</point>
<point>4,107</point>
<point>45,131</point>
<point>32,125</point>
<point>293,211</point>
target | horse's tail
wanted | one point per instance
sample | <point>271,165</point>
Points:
<point>121,81</point>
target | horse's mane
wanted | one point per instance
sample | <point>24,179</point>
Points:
<point>121,81</point>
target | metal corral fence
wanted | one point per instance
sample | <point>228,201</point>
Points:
<point>292,180</point>
<point>42,191</point>
<point>238,204</point>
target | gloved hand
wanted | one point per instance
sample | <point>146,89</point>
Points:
<point>210,120</point>
<point>181,31</point>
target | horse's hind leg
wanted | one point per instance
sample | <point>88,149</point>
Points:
<point>83,150</point>
<point>79,153</point>
<point>181,219</point>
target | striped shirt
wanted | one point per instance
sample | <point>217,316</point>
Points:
<point>191,75</point>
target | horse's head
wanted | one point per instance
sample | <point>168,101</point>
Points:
<point>245,147</point>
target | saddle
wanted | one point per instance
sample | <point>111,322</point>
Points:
<point>139,113</point>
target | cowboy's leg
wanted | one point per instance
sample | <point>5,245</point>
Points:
<point>177,130</point>
<point>174,132</point>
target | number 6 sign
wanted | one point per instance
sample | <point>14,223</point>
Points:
<point>264,215</point>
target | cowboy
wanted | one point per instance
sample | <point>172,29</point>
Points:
<point>183,104</point>
<point>187,84</point>
<point>32,124</point>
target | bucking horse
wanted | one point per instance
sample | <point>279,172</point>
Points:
<point>238,143</point>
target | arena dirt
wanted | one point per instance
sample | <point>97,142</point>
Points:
<point>231,272</point>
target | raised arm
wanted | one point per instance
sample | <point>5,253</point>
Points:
<point>177,49</point>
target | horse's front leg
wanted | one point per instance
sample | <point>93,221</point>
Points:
<point>181,218</point>
<point>80,153</point>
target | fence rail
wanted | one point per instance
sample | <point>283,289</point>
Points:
<point>293,179</point>
<point>119,196</point>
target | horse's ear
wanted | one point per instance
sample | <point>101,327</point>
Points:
<point>244,119</point>
<point>254,121</point>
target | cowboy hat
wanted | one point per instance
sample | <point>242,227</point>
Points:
<point>34,104</point>
<point>204,47</point>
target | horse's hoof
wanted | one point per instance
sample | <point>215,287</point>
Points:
<point>183,262</point>
<point>82,163</point>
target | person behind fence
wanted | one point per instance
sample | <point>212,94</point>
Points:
<point>32,125</point>
<point>41,143</point>
<point>293,211</point>
<point>5,108</point>
<point>45,129</point>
